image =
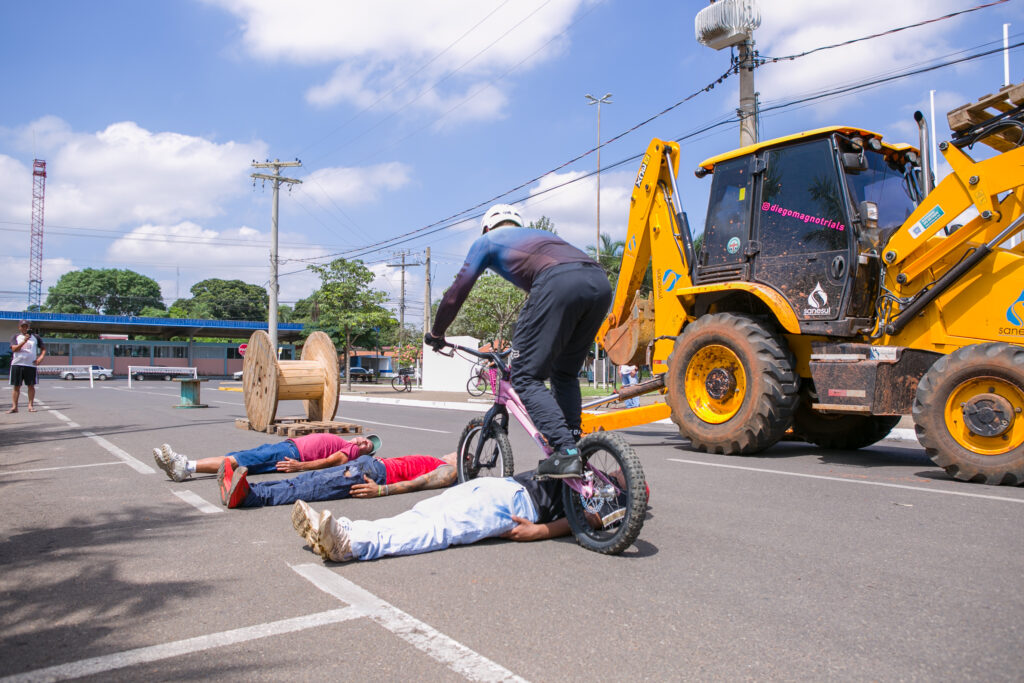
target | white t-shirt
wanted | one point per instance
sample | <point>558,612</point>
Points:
<point>27,354</point>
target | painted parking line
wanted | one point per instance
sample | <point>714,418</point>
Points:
<point>66,467</point>
<point>198,502</point>
<point>132,462</point>
<point>419,429</point>
<point>440,647</point>
<point>154,653</point>
<point>920,489</point>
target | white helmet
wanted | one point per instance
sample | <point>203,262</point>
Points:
<point>500,213</point>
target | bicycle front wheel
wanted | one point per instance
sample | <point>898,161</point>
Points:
<point>397,383</point>
<point>477,385</point>
<point>495,456</point>
<point>608,517</point>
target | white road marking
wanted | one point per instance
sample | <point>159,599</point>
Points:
<point>61,416</point>
<point>136,465</point>
<point>419,429</point>
<point>198,502</point>
<point>67,467</point>
<point>154,653</point>
<point>920,489</point>
<point>455,655</point>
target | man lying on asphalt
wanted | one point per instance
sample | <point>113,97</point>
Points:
<point>364,477</point>
<point>518,508</point>
<point>310,452</point>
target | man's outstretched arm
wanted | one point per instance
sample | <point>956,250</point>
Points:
<point>443,477</point>
<point>531,531</point>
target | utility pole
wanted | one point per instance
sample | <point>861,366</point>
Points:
<point>276,179</point>
<point>426,304</point>
<point>401,305</point>
<point>605,99</point>
<point>748,99</point>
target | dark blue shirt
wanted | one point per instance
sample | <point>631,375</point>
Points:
<point>517,254</point>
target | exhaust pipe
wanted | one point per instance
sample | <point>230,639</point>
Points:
<point>926,153</point>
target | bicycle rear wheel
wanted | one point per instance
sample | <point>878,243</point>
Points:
<point>495,456</point>
<point>397,383</point>
<point>608,518</point>
<point>477,385</point>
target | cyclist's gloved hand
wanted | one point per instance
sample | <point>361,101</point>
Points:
<point>436,343</point>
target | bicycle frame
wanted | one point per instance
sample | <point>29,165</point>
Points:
<point>507,402</point>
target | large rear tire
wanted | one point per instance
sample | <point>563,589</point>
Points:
<point>969,413</point>
<point>731,385</point>
<point>609,518</point>
<point>495,457</point>
<point>836,431</point>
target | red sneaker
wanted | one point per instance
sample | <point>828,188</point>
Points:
<point>239,488</point>
<point>224,475</point>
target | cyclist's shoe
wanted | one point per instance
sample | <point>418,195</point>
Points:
<point>565,464</point>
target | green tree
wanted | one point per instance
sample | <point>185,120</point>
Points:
<point>610,256</point>
<point>347,303</point>
<point>543,223</point>
<point>490,310</point>
<point>108,291</point>
<point>216,299</point>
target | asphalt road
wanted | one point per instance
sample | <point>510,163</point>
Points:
<point>798,564</point>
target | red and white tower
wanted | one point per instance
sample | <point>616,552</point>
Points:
<point>35,258</point>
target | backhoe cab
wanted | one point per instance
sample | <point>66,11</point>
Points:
<point>828,294</point>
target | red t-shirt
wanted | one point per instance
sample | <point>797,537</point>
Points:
<point>320,446</point>
<point>408,467</point>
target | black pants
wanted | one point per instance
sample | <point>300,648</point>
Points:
<point>556,328</point>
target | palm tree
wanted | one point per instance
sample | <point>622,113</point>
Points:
<point>610,256</point>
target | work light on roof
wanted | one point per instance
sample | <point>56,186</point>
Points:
<point>724,23</point>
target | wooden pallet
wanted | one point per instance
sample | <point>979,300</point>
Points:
<point>974,113</point>
<point>300,426</point>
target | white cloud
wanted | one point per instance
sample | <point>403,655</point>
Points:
<point>14,293</point>
<point>573,208</point>
<point>431,55</point>
<point>354,185</point>
<point>241,253</point>
<point>127,174</point>
<point>795,26</point>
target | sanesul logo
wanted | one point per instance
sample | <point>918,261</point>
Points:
<point>1015,313</point>
<point>817,298</point>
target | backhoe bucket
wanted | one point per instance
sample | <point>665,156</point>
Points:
<point>627,343</point>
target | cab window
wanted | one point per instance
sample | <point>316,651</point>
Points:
<point>727,228</point>
<point>802,208</point>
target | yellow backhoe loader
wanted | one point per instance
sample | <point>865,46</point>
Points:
<point>833,290</point>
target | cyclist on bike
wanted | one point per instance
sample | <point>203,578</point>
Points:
<point>569,298</point>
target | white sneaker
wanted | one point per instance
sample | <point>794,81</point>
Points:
<point>333,538</point>
<point>179,468</point>
<point>162,462</point>
<point>306,522</point>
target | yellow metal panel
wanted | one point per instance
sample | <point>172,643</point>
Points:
<point>709,164</point>
<point>621,419</point>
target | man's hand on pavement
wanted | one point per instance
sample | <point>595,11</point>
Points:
<point>289,465</point>
<point>525,531</point>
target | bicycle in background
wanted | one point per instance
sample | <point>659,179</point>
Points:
<point>605,507</point>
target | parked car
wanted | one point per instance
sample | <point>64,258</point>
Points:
<point>98,372</point>
<point>360,375</point>
<point>237,376</point>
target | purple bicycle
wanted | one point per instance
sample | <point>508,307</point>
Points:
<point>605,507</point>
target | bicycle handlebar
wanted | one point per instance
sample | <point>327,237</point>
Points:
<point>498,357</point>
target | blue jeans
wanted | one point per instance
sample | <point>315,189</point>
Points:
<point>263,459</point>
<point>478,509</point>
<point>326,484</point>
<point>628,380</point>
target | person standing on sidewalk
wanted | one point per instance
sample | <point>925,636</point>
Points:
<point>569,298</point>
<point>29,352</point>
<point>629,378</point>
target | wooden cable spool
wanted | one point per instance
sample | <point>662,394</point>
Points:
<point>266,380</point>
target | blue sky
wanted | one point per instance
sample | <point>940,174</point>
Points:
<point>148,115</point>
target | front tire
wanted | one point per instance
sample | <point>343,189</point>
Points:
<point>139,377</point>
<point>68,376</point>
<point>103,378</point>
<point>731,385</point>
<point>969,413</point>
<point>609,519</point>
<point>495,457</point>
<point>397,384</point>
<point>836,431</point>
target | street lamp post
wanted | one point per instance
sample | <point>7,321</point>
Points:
<point>605,99</point>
